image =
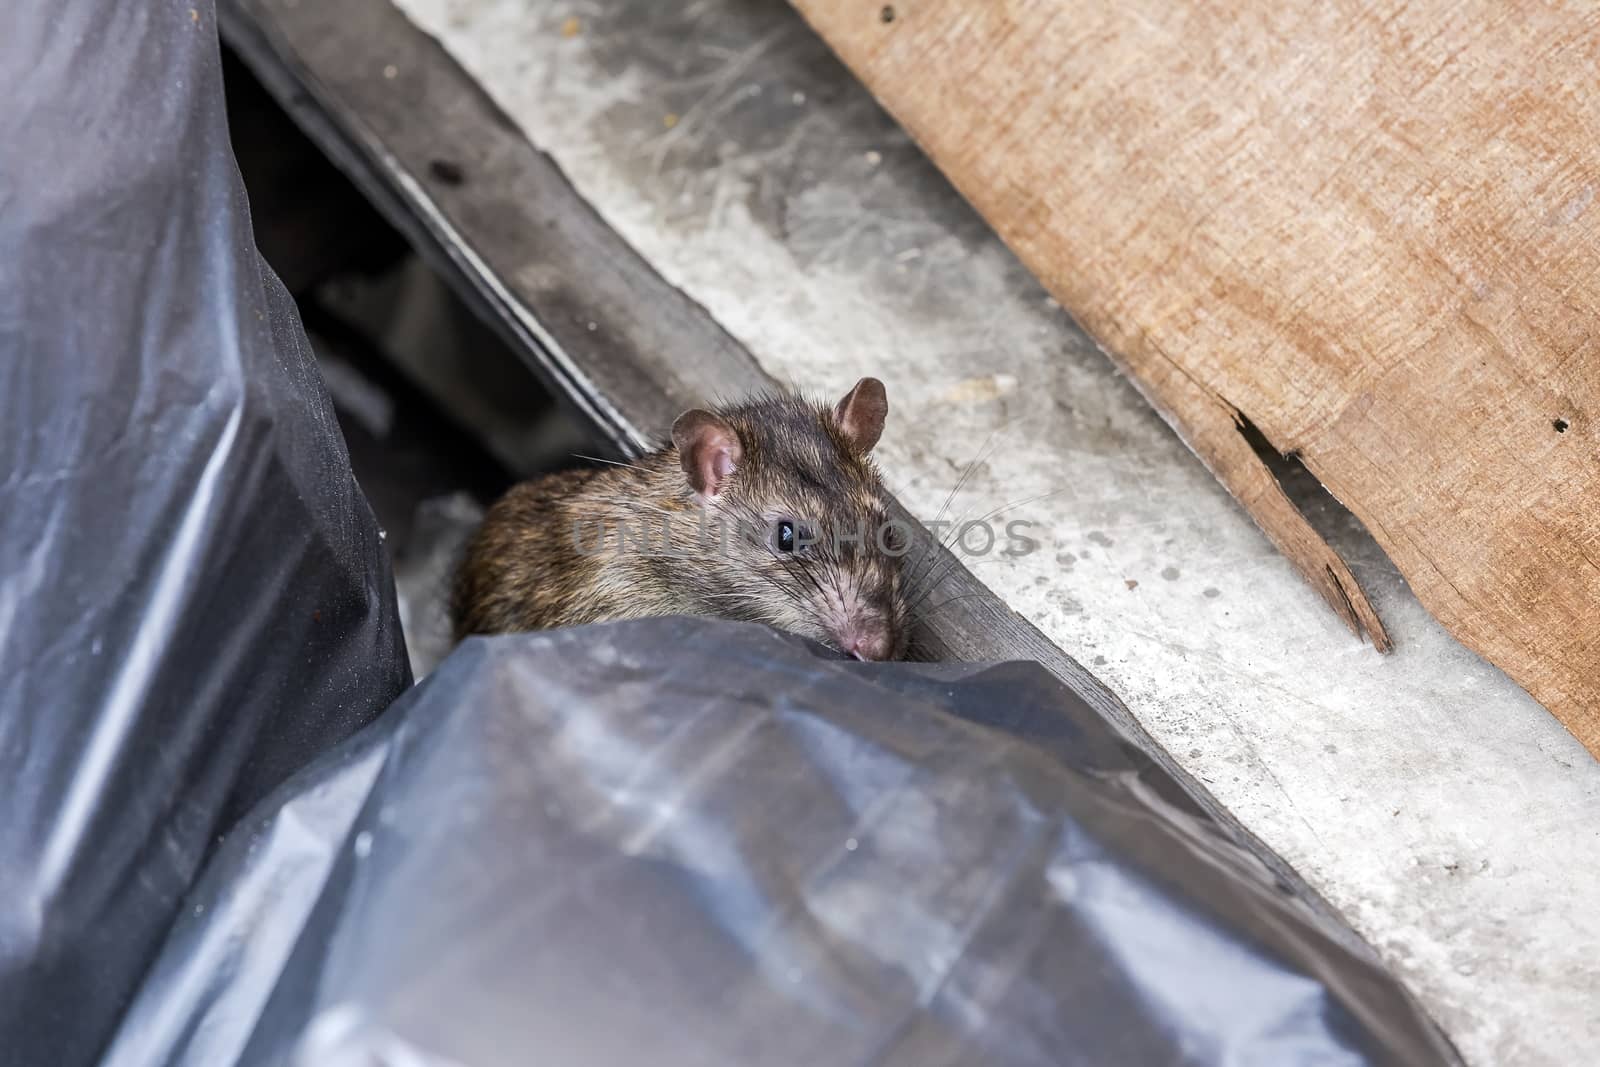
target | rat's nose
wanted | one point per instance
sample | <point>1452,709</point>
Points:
<point>868,642</point>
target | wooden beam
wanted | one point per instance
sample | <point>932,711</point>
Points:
<point>1371,229</point>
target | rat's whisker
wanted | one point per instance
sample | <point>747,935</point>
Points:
<point>950,566</point>
<point>952,600</point>
<point>611,462</point>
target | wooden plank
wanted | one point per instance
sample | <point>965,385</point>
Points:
<point>1367,227</point>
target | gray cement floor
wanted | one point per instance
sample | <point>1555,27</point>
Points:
<point>1447,815</point>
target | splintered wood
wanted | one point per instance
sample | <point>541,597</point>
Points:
<point>1368,228</point>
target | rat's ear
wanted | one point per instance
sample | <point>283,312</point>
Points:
<point>861,413</point>
<point>708,449</point>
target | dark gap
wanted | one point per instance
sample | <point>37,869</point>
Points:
<point>439,415</point>
<point>1332,521</point>
<point>1285,466</point>
<point>1560,425</point>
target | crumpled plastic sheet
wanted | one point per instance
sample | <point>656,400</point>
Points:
<point>194,600</point>
<point>695,842</point>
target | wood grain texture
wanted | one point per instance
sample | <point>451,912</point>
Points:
<point>1368,227</point>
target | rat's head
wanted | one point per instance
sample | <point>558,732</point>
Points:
<point>807,543</point>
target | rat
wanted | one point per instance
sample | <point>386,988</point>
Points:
<point>769,510</point>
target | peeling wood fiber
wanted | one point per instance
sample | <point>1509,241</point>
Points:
<point>1370,226</point>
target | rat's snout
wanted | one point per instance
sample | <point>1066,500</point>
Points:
<point>866,639</point>
<point>861,621</point>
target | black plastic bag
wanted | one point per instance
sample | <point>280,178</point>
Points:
<point>194,600</point>
<point>684,841</point>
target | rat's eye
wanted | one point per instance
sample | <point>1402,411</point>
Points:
<point>791,536</point>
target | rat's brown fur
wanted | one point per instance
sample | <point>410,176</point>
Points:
<point>538,560</point>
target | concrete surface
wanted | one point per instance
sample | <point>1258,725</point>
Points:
<point>1447,815</point>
